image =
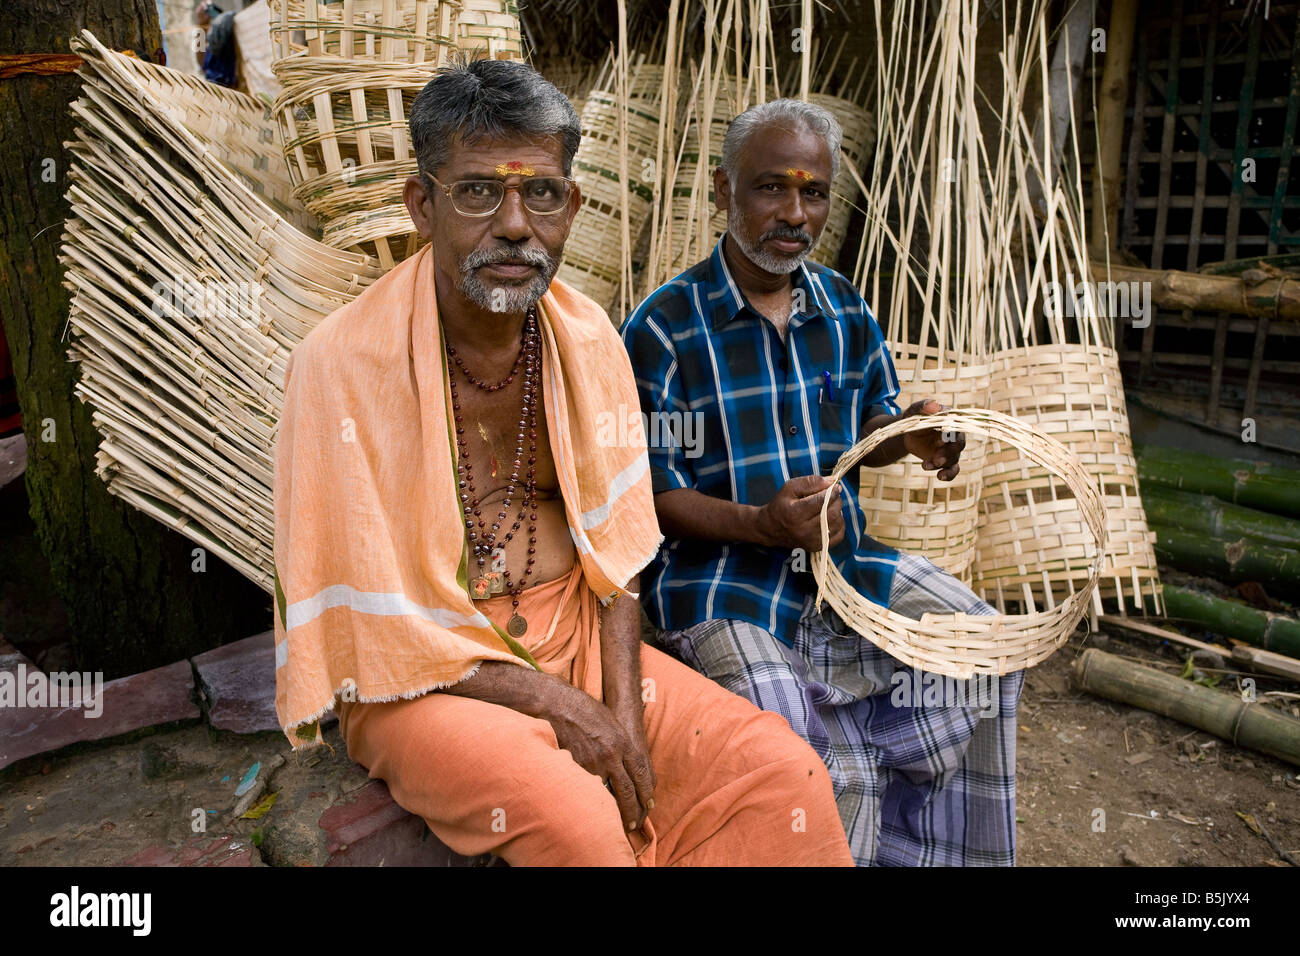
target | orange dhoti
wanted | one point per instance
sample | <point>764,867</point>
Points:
<point>736,786</point>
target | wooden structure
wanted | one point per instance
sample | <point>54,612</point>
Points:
<point>1207,194</point>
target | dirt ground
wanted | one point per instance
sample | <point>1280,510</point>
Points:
<point>1169,795</point>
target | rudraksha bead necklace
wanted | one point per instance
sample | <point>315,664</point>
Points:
<point>482,539</point>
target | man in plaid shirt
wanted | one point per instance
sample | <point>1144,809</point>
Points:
<point>762,368</point>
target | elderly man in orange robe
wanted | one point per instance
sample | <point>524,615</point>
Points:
<point>457,543</point>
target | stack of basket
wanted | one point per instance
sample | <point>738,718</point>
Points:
<point>593,255</point>
<point>351,72</point>
<point>859,129</point>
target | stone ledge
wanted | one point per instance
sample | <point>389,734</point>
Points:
<point>164,695</point>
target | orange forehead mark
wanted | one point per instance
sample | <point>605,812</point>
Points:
<point>514,167</point>
<point>800,174</point>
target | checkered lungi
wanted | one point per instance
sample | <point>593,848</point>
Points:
<point>924,767</point>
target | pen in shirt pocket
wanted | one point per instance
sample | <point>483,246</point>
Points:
<point>828,391</point>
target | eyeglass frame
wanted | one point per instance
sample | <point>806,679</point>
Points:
<point>446,189</point>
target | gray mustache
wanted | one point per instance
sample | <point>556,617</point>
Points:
<point>521,257</point>
<point>787,232</point>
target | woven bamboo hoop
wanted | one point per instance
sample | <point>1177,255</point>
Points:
<point>1030,549</point>
<point>391,31</point>
<point>593,255</point>
<point>903,505</point>
<point>490,28</point>
<point>961,645</point>
<point>344,129</point>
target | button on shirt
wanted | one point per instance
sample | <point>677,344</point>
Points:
<point>733,412</point>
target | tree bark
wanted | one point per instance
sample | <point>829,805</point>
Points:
<point>132,598</point>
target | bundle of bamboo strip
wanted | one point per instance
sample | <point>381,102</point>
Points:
<point>951,192</point>
<point>927,276</point>
<point>188,292</point>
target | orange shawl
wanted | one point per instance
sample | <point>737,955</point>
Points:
<point>370,556</point>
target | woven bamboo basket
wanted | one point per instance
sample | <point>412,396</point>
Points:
<point>593,255</point>
<point>859,137</point>
<point>490,28</point>
<point>961,645</point>
<point>694,222</point>
<point>904,506</point>
<point>188,291</point>
<point>391,31</point>
<point>344,129</point>
<point>1031,548</point>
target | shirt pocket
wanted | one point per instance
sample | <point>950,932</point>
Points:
<point>837,425</point>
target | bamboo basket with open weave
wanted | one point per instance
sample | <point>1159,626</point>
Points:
<point>1030,542</point>
<point>490,28</point>
<point>344,125</point>
<point>960,645</point>
<point>903,505</point>
<point>410,31</point>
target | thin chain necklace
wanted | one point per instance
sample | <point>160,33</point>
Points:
<point>482,539</point>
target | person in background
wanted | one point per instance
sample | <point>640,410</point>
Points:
<point>219,51</point>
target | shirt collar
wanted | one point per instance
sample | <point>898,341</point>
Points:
<point>726,301</point>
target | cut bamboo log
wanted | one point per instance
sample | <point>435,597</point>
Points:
<point>1277,297</point>
<point>1206,514</point>
<point>1244,723</point>
<point>1254,484</point>
<point>1273,632</point>
<point>1229,559</point>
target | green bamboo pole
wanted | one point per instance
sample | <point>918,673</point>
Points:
<point>1209,515</point>
<point>1246,724</point>
<point>1255,484</point>
<point>1273,632</point>
<point>1241,559</point>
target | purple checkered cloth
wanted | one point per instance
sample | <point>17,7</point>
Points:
<point>924,768</point>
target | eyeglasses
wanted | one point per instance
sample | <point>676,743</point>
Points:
<point>542,195</point>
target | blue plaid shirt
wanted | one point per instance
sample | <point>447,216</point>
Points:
<point>766,413</point>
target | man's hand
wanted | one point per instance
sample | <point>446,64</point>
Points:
<point>793,518</point>
<point>609,746</point>
<point>929,445</point>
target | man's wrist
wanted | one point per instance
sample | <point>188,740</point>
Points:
<point>756,525</point>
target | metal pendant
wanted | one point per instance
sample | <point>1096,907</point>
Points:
<point>496,582</point>
<point>480,588</point>
<point>517,626</point>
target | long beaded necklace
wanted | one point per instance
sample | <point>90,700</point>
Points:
<point>482,539</point>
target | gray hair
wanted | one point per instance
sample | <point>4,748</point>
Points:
<point>485,98</point>
<point>816,119</point>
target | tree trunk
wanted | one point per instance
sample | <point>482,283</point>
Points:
<point>132,598</point>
